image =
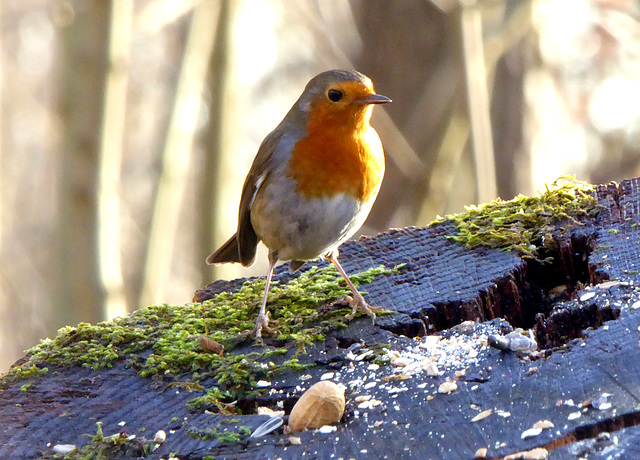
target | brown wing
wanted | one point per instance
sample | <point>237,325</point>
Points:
<point>242,246</point>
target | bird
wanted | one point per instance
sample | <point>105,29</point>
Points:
<point>312,183</point>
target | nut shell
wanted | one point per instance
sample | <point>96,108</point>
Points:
<point>320,405</point>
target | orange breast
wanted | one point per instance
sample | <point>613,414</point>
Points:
<point>338,156</point>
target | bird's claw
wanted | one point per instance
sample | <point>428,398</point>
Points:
<point>358,302</point>
<point>262,323</point>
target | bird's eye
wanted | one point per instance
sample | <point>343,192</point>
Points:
<point>334,95</point>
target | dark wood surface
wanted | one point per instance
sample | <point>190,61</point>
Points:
<point>442,285</point>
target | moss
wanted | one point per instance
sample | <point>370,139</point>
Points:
<point>26,387</point>
<point>524,223</point>
<point>104,447</point>
<point>168,335</point>
<point>212,399</point>
<point>219,433</point>
<point>25,371</point>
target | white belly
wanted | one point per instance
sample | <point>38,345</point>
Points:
<point>304,230</point>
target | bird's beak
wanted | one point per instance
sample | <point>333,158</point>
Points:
<point>374,99</point>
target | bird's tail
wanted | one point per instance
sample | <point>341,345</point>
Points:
<point>230,252</point>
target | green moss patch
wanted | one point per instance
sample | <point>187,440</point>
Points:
<point>164,339</point>
<point>104,447</point>
<point>521,223</point>
<point>220,433</point>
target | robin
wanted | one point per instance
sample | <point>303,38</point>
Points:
<point>312,183</point>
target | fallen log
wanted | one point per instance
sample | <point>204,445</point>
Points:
<point>487,353</point>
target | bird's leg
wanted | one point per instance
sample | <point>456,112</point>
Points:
<point>263,317</point>
<point>357,301</point>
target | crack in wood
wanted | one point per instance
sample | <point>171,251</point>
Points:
<point>538,295</point>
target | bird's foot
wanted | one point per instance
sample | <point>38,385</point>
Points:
<point>358,302</point>
<point>262,324</point>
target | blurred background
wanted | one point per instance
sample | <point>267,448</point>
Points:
<point>127,126</point>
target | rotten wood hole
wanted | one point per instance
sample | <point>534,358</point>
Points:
<point>535,296</point>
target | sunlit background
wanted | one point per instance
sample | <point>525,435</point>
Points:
<point>127,126</point>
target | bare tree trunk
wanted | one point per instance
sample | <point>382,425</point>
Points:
<point>85,60</point>
<point>177,151</point>
<point>478,101</point>
<point>217,156</point>
<point>114,120</point>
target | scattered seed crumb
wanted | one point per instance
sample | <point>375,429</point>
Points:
<point>64,449</point>
<point>327,376</point>
<point>530,433</point>
<point>543,424</point>
<point>586,296</point>
<point>574,415</point>
<point>447,387</point>
<point>294,440</point>
<point>609,284</point>
<point>482,415</point>
<point>432,370</point>
<point>601,402</point>
<point>326,429</point>
<point>263,384</point>
<point>401,361</point>
<point>262,410</point>
<point>482,452</point>
<point>392,378</point>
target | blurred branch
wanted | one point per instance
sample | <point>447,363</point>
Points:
<point>84,45</point>
<point>397,147</point>
<point>478,101</point>
<point>177,151</point>
<point>219,163</point>
<point>457,131</point>
<point>447,161</point>
<point>160,13</point>
<point>111,151</point>
<point>512,30</point>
